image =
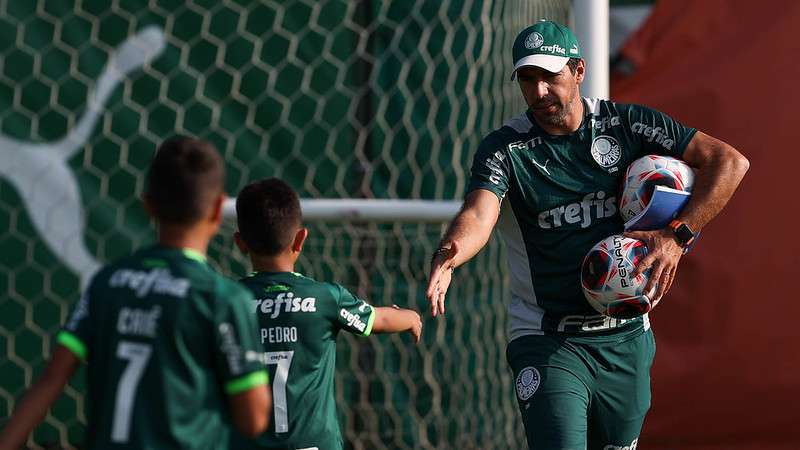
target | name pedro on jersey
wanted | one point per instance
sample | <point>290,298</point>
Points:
<point>285,302</point>
<point>278,335</point>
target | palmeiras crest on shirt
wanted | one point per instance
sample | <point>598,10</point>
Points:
<point>534,40</point>
<point>606,151</point>
<point>527,382</point>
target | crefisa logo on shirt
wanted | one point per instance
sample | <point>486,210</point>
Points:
<point>290,303</point>
<point>606,151</point>
<point>353,320</point>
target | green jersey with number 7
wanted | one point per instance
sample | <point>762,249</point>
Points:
<point>167,340</point>
<point>300,319</point>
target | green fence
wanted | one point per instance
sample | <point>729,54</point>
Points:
<point>341,99</point>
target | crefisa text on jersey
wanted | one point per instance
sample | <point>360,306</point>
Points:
<point>353,320</point>
<point>601,124</point>
<point>285,302</point>
<point>290,303</point>
<point>157,281</point>
<point>657,134</point>
<point>595,205</point>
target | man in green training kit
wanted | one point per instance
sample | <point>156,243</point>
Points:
<point>300,319</point>
<point>172,347</point>
<point>548,178</point>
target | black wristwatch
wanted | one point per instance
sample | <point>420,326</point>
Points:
<point>683,234</point>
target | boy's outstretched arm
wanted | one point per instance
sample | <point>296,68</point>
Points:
<point>395,320</point>
<point>38,399</point>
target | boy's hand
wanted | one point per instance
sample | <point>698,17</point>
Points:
<point>416,327</point>
<point>32,408</point>
<point>416,323</point>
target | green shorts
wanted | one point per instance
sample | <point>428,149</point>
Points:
<point>583,392</point>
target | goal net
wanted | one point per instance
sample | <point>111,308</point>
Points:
<point>343,99</point>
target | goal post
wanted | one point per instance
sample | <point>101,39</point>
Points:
<point>369,210</point>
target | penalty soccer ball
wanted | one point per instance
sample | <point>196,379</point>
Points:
<point>642,177</point>
<point>606,278</point>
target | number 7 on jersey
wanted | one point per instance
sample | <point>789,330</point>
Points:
<point>279,403</point>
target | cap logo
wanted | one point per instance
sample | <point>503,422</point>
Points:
<point>534,40</point>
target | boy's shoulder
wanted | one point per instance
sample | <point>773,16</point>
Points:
<point>265,283</point>
<point>185,274</point>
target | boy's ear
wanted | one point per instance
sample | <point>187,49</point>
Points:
<point>215,215</point>
<point>299,239</point>
<point>148,208</point>
<point>237,237</point>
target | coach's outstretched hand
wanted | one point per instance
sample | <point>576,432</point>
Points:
<point>663,255</point>
<point>442,265</point>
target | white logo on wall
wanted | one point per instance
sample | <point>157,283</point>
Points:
<point>40,171</point>
<point>606,151</point>
<point>534,40</point>
<point>527,382</point>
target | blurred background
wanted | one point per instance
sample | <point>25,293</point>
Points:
<point>384,100</point>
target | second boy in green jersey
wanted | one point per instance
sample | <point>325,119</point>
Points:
<point>300,319</point>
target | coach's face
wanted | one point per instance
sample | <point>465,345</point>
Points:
<point>550,96</point>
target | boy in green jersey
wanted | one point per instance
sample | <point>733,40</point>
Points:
<point>300,319</point>
<point>172,348</point>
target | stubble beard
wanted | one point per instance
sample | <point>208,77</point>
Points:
<point>559,117</point>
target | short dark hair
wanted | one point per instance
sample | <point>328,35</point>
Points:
<point>185,176</point>
<point>268,214</point>
<point>572,63</point>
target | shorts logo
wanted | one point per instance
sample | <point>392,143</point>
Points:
<point>606,151</point>
<point>527,383</point>
<point>534,40</point>
<point>632,446</point>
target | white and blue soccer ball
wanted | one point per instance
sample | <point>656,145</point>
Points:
<point>644,174</point>
<point>607,281</point>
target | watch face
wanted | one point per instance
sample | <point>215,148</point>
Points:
<point>684,234</point>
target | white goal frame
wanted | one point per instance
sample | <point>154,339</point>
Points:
<point>370,210</point>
